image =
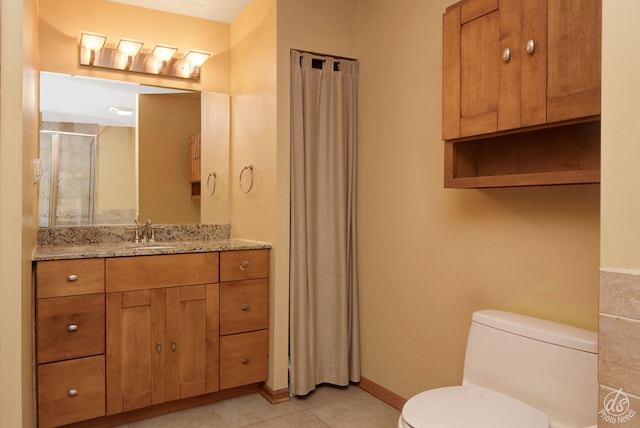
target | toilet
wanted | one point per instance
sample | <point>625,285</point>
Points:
<point>519,372</point>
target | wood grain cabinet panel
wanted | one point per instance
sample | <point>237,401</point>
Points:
<point>55,278</point>
<point>243,358</point>
<point>69,327</point>
<point>71,391</point>
<point>245,264</point>
<point>244,306</point>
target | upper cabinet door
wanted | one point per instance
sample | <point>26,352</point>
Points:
<point>575,44</point>
<point>470,68</point>
<point>518,64</point>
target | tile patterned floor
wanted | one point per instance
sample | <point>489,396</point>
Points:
<point>327,406</point>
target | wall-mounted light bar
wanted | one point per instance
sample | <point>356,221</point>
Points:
<point>128,56</point>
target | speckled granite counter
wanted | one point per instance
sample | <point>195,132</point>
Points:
<point>115,241</point>
<point>123,249</point>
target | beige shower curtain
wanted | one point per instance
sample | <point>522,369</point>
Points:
<point>324,327</point>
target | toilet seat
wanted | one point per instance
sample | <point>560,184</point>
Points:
<point>469,407</point>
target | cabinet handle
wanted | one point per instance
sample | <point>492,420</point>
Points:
<point>158,347</point>
<point>72,277</point>
<point>245,360</point>
<point>245,265</point>
<point>72,327</point>
<point>506,54</point>
<point>173,345</point>
<point>72,392</point>
<point>245,307</point>
<point>531,46</point>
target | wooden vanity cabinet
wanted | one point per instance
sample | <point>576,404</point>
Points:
<point>162,329</point>
<point>70,341</point>
<point>520,66</point>
<point>244,317</point>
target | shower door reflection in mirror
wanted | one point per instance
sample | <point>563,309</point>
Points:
<point>66,189</point>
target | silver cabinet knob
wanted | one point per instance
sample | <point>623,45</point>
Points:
<point>72,277</point>
<point>72,392</point>
<point>158,347</point>
<point>506,54</point>
<point>531,46</point>
<point>245,307</point>
<point>245,265</point>
<point>174,346</point>
<point>72,327</point>
<point>245,360</point>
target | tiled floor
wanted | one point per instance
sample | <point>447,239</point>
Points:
<point>327,406</point>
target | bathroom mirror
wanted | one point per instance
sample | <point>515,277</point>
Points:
<point>112,149</point>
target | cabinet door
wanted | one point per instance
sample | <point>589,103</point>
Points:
<point>194,158</point>
<point>575,39</point>
<point>135,349</point>
<point>192,357</point>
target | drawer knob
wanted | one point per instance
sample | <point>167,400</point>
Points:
<point>72,392</point>
<point>72,327</point>
<point>245,360</point>
<point>158,347</point>
<point>72,277</point>
<point>174,345</point>
<point>245,265</point>
<point>506,55</point>
<point>245,307</point>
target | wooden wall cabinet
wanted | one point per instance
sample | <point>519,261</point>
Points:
<point>520,67</point>
<point>195,164</point>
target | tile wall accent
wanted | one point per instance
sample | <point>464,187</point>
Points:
<point>104,234</point>
<point>619,348</point>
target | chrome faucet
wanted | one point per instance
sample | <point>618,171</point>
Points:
<point>147,232</point>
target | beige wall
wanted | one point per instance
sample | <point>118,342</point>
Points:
<point>62,21</point>
<point>619,359</point>
<point>428,257</point>
<point>116,167</point>
<point>18,136</point>
<point>165,123</point>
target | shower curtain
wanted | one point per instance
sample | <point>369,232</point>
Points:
<point>324,326</point>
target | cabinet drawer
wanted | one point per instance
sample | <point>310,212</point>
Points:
<point>243,358</point>
<point>71,391</point>
<point>55,278</point>
<point>70,327</point>
<point>245,264</point>
<point>171,270</point>
<point>244,306</point>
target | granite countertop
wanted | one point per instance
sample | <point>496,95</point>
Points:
<point>124,249</point>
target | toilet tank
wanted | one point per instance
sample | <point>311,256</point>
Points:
<point>548,365</point>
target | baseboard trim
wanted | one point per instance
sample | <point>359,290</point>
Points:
<point>274,397</point>
<point>381,393</point>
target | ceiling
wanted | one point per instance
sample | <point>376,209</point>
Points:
<point>214,10</point>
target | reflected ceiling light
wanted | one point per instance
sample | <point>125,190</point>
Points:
<point>121,111</point>
<point>128,56</point>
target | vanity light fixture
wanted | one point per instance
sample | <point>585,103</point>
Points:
<point>129,48</point>
<point>196,59</point>
<point>128,56</point>
<point>92,43</point>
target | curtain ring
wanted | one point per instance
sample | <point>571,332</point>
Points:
<point>209,189</point>
<point>250,169</point>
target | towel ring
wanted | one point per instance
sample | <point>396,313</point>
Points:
<point>209,189</point>
<point>250,169</point>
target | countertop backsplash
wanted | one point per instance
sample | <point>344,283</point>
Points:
<point>81,235</point>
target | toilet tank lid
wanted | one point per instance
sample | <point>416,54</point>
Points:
<point>538,329</point>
